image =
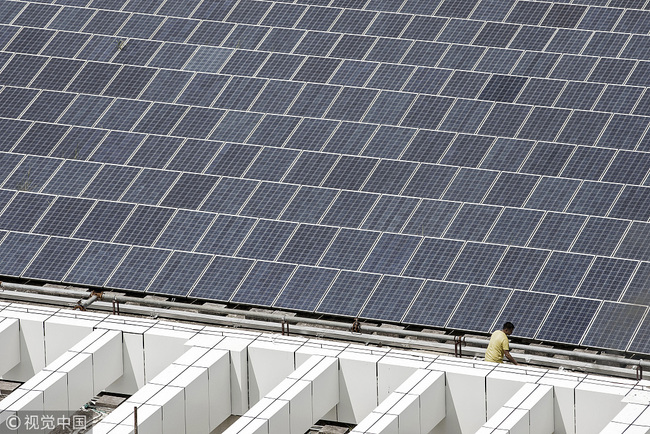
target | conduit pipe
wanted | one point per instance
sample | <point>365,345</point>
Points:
<point>278,318</point>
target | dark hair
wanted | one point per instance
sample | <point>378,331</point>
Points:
<point>508,326</point>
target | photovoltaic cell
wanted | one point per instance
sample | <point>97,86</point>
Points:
<point>587,163</point>
<point>527,310</point>
<point>475,263</point>
<point>18,250</point>
<point>640,341</point>
<point>557,231</point>
<point>478,309</point>
<point>273,130</point>
<point>55,258</point>
<point>636,292</point>
<point>388,142</point>
<point>389,177</point>
<point>429,181</point>
<point>631,204</point>
<point>595,198</point>
<point>39,140</point>
<point>71,178</point>
<point>225,235</point>
<point>229,195</point>
<point>511,189</point>
<point>519,268</point>
<point>271,164</point>
<point>349,249</point>
<point>189,191</point>
<point>433,258</point>
<point>150,186</point>
<point>117,147</point>
<point>137,268</point>
<point>562,273</point>
<point>349,138</point>
<point>179,273</point>
<point>470,185</point>
<point>435,303</point>
<point>268,200</point>
<point>431,218</point>
<point>348,293</point>
<point>614,325</point>
<point>563,325</point>
<point>308,204</point>
<point>552,194</point>
<point>600,236</point>
<point>184,230</point>
<point>390,254</point>
<point>63,216</point>
<point>193,156</point>
<point>391,298</point>
<point>144,225</point>
<point>96,264</point>
<point>308,244</point>
<point>266,240</point>
<point>349,209</point>
<point>24,211</point>
<point>110,182</point>
<point>390,213</point>
<point>472,222</point>
<point>104,220</point>
<point>263,283</point>
<point>606,279</point>
<point>305,288</point>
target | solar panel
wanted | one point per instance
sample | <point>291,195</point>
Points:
<point>138,268</point>
<point>519,268</point>
<point>475,263</point>
<point>348,293</point>
<point>305,288</point>
<point>331,156</point>
<point>563,325</point>
<point>263,283</point>
<point>179,273</point>
<point>19,249</point>
<point>391,298</point>
<point>606,279</point>
<point>614,326</point>
<point>63,216</point>
<point>527,310</point>
<point>55,258</point>
<point>96,263</point>
<point>478,308</point>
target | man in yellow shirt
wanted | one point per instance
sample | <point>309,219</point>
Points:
<point>499,345</point>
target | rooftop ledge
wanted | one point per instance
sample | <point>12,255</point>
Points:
<point>180,375</point>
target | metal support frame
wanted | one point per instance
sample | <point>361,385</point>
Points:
<point>285,327</point>
<point>459,341</point>
<point>356,326</point>
<point>116,306</point>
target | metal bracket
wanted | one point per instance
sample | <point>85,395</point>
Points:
<point>639,372</point>
<point>459,341</point>
<point>285,327</point>
<point>116,306</point>
<point>356,326</point>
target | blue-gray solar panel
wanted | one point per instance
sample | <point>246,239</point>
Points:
<point>351,150</point>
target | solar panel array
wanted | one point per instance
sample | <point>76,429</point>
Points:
<point>444,163</point>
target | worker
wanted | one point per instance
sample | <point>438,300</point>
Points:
<point>499,345</point>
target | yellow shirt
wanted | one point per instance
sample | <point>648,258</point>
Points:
<point>498,344</point>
